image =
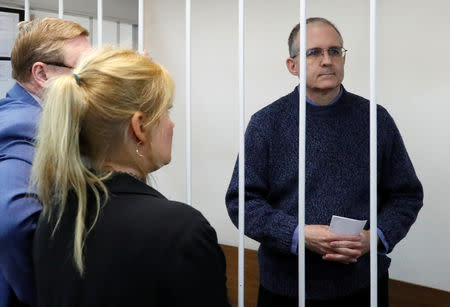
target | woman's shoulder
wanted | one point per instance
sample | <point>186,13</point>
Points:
<point>149,212</point>
<point>152,203</point>
<point>136,197</point>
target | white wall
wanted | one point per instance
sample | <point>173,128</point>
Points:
<point>413,76</point>
<point>414,87</point>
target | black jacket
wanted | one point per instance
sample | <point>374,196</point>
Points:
<point>144,250</point>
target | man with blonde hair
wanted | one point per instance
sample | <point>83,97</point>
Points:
<point>44,48</point>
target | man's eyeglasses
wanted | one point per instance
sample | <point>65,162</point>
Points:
<point>58,64</point>
<point>333,52</point>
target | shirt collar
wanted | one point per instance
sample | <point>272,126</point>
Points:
<point>335,99</point>
<point>39,100</point>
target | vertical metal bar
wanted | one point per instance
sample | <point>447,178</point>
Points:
<point>27,10</point>
<point>61,9</point>
<point>241,155</point>
<point>141,26</point>
<point>118,33</point>
<point>91,30</point>
<point>99,23</point>
<point>134,32</point>
<point>301,156</point>
<point>373,159</point>
<point>188,102</point>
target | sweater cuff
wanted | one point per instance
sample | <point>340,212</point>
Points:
<point>294,245</point>
<point>384,247</point>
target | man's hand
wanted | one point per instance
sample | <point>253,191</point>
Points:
<point>336,247</point>
<point>362,246</point>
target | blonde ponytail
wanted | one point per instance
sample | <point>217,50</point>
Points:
<point>58,167</point>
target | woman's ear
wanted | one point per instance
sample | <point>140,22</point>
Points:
<point>139,127</point>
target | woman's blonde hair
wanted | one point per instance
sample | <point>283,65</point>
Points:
<point>85,117</point>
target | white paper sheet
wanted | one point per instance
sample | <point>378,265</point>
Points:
<point>346,226</point>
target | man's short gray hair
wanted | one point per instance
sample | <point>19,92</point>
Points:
<point>293,44</point>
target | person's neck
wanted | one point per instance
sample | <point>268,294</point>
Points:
<point>32,87</point>
<point>111,166</point>
<point>322,97</point>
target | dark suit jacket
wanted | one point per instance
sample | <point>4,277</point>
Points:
<point>143,251</point>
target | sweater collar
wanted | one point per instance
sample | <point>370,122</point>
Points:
<point>337,102</point>
<point>335,99</point>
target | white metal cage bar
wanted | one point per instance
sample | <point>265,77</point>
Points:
<point>301,156</point>
<point>118,33</point>
<point>373,159</point>
<point>61,9</point>
<point>91,29</point>
<point>241,221</point>
<point>27,10</point>
<point>141,26</point>
<point>188,104</point>
<point>99,23</point>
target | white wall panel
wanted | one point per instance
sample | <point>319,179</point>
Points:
<point>109,33</point>
<point>126,35</point>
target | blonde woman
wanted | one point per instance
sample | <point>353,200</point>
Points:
<point>105,237</point>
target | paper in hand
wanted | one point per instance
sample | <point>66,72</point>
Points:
<point>346,226</point>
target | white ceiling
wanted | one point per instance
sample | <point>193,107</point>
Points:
<point>118,10</point>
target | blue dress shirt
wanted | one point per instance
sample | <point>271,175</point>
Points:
<point>19,209</point>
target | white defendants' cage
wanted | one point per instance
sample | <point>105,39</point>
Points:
<point>302,142</point>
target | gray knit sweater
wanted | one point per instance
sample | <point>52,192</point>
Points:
<point>337,182</point>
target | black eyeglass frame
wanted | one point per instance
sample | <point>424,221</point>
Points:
<point>341,53</point>
<point>58,64</point>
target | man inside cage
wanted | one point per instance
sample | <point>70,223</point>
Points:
<point>337,183</point>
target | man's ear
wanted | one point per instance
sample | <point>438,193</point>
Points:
<point>292,66</point>
<point>138,127</point>
<point>39,73</point>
